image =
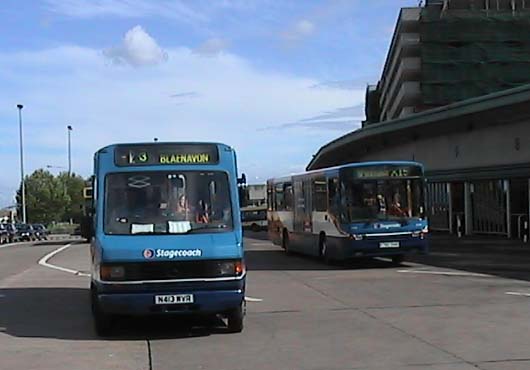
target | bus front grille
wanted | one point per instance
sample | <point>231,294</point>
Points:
<point>172,270</point>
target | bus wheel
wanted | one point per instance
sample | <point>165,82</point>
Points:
<point>235,319</point>
<point>255,227</point>
<point>102,321</point>
<point>398,260</point>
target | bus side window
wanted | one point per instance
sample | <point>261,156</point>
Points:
<point>278,192</point>
<point>270,197</point>
<point>288,196</point>
<point>320,195</point>
<point>333,192</point>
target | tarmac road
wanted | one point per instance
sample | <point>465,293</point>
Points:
<point>301,314</point>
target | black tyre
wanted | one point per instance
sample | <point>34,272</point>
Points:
<point>102,321</point>
<point>235,319</point>
<point>398,260</point>
<point>255,227</point>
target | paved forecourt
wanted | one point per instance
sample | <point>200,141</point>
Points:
<point>301,314</point>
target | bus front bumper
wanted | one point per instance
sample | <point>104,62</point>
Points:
<point>142,302</point>
<point>346,249</point>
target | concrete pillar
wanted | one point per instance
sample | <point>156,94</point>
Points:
<point>468,189</point>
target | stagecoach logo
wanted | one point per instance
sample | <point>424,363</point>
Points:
<point>171,253</point>
<point>148,253</point>
<point>386,226</point>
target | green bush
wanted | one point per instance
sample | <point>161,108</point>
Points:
<point>62,228</point>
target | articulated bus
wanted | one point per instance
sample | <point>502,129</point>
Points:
<point>166,233</point>
<point>371,209</point>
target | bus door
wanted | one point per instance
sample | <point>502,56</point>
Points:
<point>308,210</point>
<point>302,209</point>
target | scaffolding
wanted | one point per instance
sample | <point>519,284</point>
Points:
<point>472,48</point>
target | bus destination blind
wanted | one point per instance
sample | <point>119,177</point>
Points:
<point>149,155</point>
<point>386,172</point>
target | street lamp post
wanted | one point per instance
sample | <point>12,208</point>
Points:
<point>23,186</point>
<point>69,128</point>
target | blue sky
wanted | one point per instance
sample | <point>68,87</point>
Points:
<point>274,79</point>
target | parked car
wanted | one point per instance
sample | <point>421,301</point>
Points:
<point>25,232</point>
<point>12,235</point>
<point>4,235</point>
<point>41,232</point>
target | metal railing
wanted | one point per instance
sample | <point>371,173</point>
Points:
<point>521,220</point>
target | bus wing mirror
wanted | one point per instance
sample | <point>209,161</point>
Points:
<point>242,180</point>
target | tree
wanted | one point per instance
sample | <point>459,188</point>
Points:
<point>74,185</point>
<point>46,198</point>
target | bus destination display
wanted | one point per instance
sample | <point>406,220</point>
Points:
<point>185,154</point>
<point>386,172</point>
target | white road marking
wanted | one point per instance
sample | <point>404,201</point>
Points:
<point>44,262</point>
<point>446,273</point>
<point>519,294</point>
<point>250,299</point>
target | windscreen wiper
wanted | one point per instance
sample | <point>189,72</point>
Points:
<point>206,227</point>
<point>151,233</point>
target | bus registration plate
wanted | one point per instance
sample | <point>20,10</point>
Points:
<point>389,245</point>
<point>174,299</point>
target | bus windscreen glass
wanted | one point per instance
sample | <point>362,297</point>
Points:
<point>167,202</point>
<point>376,200</point>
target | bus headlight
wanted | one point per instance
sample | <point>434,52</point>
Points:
<point>356,237</point>
<point>421,234</point>
<point>112,272</point>
<point>231,268</point>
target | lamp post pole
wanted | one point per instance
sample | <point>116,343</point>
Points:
<point>23,186</point>
<point>69,128</point>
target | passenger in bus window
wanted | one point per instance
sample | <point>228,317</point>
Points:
<point>202,214</point>
<point>382,204</point>
<point>395,207</point>
<point>183,210</point>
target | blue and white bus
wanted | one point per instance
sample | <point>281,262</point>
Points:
<point>370,209</point>
<point>167,236</point>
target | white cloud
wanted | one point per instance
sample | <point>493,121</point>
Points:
<point>73,85</point>
<point>138,49</point>
<point>301,29</point>
<point>212,47</point>
<point>304,27</point>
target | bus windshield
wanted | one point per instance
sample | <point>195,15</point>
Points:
<point>142,203</point>
<point>375,200</point>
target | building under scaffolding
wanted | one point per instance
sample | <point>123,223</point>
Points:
<point>452,50</point>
